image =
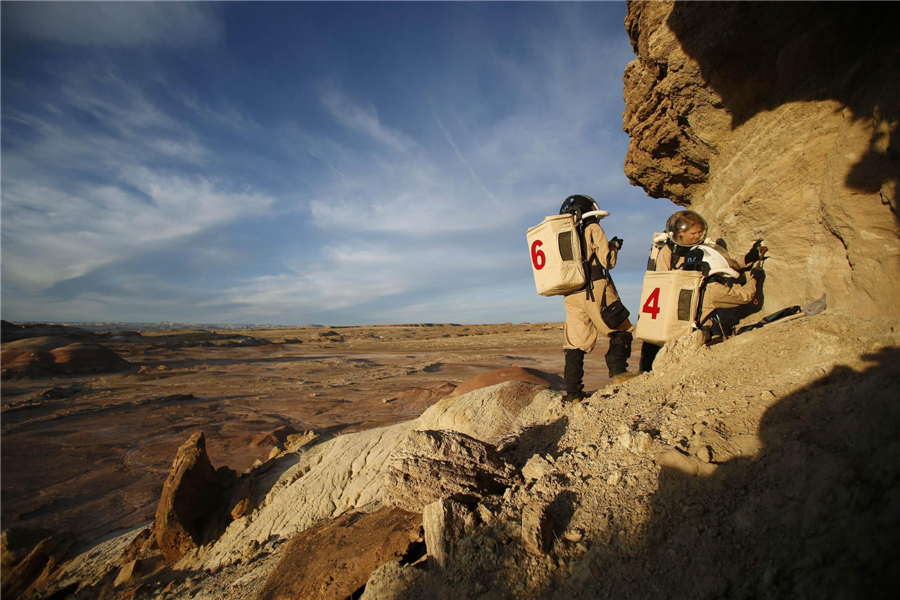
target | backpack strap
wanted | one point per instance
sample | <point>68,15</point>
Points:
<point>654,253</point>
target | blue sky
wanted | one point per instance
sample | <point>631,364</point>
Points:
<point>291,163</point>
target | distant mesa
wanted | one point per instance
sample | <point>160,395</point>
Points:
<point>509,374</point>
<point>50,355</point>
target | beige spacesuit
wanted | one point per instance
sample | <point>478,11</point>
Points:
<point>687,230</point>
<point>583,322</point>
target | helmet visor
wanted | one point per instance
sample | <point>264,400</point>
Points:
<point>686,228</point>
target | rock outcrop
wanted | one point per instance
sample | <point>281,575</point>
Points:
<point>762,467</point>
<point>333,560</point>
<point>431,465</point>
<point>445,523</point>
<point>777,120</point>
<point>30,558</point>
<point>193,507</point>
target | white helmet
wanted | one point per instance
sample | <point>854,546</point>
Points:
<point>686,228</point>
<point>717,262</point>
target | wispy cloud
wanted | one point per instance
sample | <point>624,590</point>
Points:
<point>119,24</point>
<point>50,235</point>
<point>362,118</point>
<point>79,195</point>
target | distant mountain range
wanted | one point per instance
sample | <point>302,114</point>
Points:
<point>166,326</point>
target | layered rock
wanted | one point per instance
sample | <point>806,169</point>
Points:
<point>431,465</point>
<point>776,121</point>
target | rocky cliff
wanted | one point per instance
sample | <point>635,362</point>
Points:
<point>777,120</point>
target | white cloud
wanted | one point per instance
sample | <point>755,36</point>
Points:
<point>77,197</point>
<point>119,24</point>
<point>50,235</point>
<point>348,275</point>
<point>363,119</point>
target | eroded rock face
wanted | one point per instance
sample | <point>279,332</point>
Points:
<point>193,503</point>
<point>334,559</point>
<point>441,464</point>
<point>776,121</point>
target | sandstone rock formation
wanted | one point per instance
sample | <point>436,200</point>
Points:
<point>47,356</point>
<point>777,121</point>
<point>333,560</point>
<point>430,465</point>
<point>30,559</point>
<point>489,414</point>
<point>761,467</point>
<point>193,503</point>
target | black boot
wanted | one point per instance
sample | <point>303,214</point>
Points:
<point>574,374</point>
<point>648,354</point>
<point>618,353</point>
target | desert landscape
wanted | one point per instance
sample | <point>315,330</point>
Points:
<point>107,440</point>
<point>442,461</point>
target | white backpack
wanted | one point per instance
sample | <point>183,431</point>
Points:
<point>669,302</point>
<point>556,259</point>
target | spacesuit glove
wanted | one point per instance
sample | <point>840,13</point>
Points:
<point>757,252</point>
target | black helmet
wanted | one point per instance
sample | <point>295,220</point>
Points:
<point>578,205</point>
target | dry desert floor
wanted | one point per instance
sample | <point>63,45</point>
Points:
<point>89,454</point>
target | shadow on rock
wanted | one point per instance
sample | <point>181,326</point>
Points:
<point>814,514</point>
<point>538,439</point>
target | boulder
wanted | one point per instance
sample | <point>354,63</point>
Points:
<point>393,581</point>
<point>193,504</point>
<point>431,465</point>
<point>296,441</point>
<point>536,467</point>
<point>334,559</point>
<point>492,413</point>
